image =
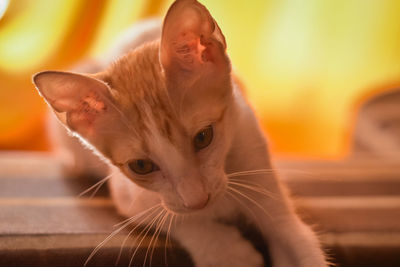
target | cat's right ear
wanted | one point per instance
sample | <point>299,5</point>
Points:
<point>193,47</point>
<point>81,102</point>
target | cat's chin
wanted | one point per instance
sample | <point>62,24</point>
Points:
<point>186,211</point>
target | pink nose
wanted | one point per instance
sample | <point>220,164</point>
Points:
<point>198,204</point>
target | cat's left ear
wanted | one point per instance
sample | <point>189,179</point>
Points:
<point>82,103</point>
<point>192,45</point>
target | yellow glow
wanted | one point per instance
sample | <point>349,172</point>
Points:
<point>30,38</point>
<point>3,7</point>
<point>119,15</point>
<point>305,63</point>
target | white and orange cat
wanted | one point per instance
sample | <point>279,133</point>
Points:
<point>182,141</point>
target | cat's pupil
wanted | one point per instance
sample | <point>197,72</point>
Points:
<point>140,164</point>
<point>203,138</point>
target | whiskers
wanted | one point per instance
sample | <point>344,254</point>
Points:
<point>285,171</point>
<point>257,188</point>
<point>248,192</point>
<point>237,183</point>
<point>245,191</point>
<point>250,172</point>
<point>248,198</point>
<point>115,232</point>
<point>96,186</point>
<point>153,220</point>
<point>151,211</point>
<point>157,223</point>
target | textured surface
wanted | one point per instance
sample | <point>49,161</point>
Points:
<point>44,222</point>
<point>355,205</point>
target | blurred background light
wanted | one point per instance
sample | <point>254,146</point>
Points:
<point>31,30</point>
<point>3,7</point>
<point>305,63</point>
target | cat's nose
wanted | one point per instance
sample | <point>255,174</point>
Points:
<point>192,192</point>
<point>196,204</point>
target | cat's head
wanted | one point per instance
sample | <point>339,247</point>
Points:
<point>161,113</point>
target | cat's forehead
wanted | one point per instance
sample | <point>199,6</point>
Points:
<point>140,92</point>
<point>137,77</point>
<point>142,97</point>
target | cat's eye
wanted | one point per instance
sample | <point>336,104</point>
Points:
<point>142,166</point>
<point>203,138</point>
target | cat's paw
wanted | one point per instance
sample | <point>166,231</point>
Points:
<point>238,253</point>
<point>243,254</point>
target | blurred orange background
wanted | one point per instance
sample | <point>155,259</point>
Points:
<point>307,64</point>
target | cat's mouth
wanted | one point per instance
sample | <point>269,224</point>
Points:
<point>181,209</point>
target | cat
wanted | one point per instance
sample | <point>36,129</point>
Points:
<point>181,140</point>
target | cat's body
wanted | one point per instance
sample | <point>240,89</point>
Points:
<point>175,105</point>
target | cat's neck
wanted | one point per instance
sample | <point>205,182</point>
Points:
<point>249,149</point>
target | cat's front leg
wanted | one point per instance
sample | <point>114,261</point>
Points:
<point>212,244</point>
<point>291,241</point>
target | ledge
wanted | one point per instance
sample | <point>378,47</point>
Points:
<point>354,205</point>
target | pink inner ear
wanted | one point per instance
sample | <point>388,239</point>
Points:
<point>79,101</point>
<point>94,103</point>
<point>191,39</point>
<point>206,54</point>
<point>84,115</point>
<point>194,49</point>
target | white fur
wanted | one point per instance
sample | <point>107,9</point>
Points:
<point>209,242</point>
<point>291,242</point>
